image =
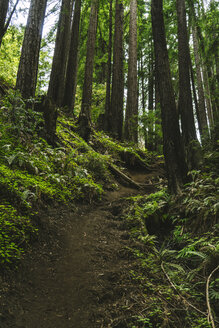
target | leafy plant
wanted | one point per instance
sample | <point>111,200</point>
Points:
<point>15,231</point>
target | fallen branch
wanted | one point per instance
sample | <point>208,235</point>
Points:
<point>185,300</point>
<point>123,176</point>
<point>210,316</point>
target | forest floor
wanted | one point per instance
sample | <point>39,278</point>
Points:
<point>78,274</point>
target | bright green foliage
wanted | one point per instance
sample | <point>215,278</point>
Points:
<point>200,199</point>
<point>10,54</point>
<point>31,171</point>
<point>186,256</point>
<point>15,231</point>
<point>128,153</point>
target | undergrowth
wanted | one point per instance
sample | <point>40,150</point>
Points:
<point>33,173</point>
<point>179,257</point>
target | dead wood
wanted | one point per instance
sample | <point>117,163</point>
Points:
<point>123,176</point>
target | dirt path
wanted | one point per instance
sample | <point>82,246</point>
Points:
<point>82,281</point>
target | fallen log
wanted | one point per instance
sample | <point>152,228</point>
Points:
<point>123,176</point>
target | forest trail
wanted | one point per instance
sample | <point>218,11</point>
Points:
<point>82,280</point>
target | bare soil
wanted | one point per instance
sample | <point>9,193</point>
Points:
<point>78,274</point>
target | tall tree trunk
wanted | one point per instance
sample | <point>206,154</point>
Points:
<point>131,119</point>
<point>172,143</point>
<point>157,108</point>
<point>28,66</point>
<point>4,4</point>
<point>72,67</point>
<point>195,99</point>
<point>143,100</point>
<point>150,145</point>
<point>57,77</point>
<point>109,70</point>
<point>207,96</point>
<point>116,112</point>
<point>202,117</point>
<point>205,68</point>
<point>142,82</point>
<point>85,113</point>
<point>185,96</point>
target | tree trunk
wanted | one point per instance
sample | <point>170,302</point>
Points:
<point>3,13</point>
<point>157,109</point>
<point>57,77</point>
<point>109,70</point>
<point>202,117</point>
<point>131,119</point>
<point>72,67</point>
<point>150,145</point>
<point>4,4</point>
<point>185,106</point>
<point>116,112</point>
<point>205,69</point>
<point>143,98</point>
<point>28,66</point>
<point>85,114</point>
<point>172,143</point>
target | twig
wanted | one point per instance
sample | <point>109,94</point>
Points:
<point>174,287</point>
<point>210,316</point>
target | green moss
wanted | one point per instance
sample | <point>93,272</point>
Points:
<point>15,231</point>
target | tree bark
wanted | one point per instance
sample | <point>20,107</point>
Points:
<point>172,143</point>
<point>109,70</point>
<point>57,77</point>
<point>28,66</point>
<point>150,145</point>
<point>205,70</point>
<point>85,113</point>
<point>202,117</point>
<point>131,119</point>
<point>185,106</point>
<point>72,67</point>
<point>116,112</point>
<point>4,4</point>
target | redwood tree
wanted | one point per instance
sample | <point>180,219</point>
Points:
<point>131,119</point>
<point>85,113</point>
<point>116,108</point>
<point>28,66</point>
<point>4,6</point>
<point>109,69</point>
<point>185,105</point>
<point>72,65</point>
<point>57,77</point>
<point>202,117</point>
<point>172,143</point>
